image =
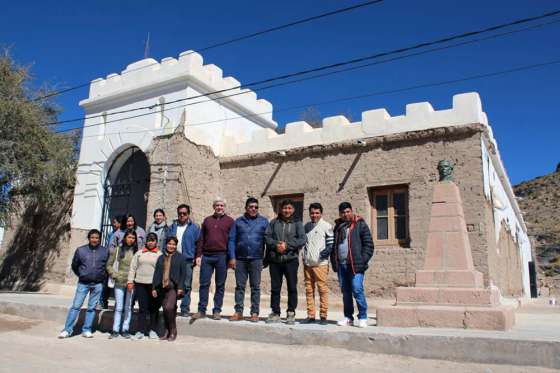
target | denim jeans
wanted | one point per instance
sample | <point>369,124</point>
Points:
<point>186,302</point>
<point>82,290</point>
<point>251,269</point>
<point>209,264</point>
<point>123,302</point>
<point>352,287</point>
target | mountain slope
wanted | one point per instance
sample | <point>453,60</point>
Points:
<point>539,199</point>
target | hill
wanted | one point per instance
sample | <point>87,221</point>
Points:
<point>539,199</point>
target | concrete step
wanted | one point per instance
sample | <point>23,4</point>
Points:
<point>531,344</point>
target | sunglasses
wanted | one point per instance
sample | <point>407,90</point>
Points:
<point>182,213</point>
<point>253,207</point>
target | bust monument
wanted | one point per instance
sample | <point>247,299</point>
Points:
<point>445,169</point>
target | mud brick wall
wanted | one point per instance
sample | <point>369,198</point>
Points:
<point>337,173</point>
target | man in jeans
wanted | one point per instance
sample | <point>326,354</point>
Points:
<point>316,268</point>
<point>246,247</point>
<point>284,238</point>
<point>211,255</point>
<point>352,250</point>
<point>88,264</point>
<point>187,234</point>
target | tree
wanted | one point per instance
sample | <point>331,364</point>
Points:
<point>37,165</point>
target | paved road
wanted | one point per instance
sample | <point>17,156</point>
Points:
<point>31,346</point>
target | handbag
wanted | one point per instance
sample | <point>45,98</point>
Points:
<point>111,281</point>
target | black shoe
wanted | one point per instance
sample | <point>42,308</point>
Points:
<point>113,335</point>
<point>323,321</point>
<point>308,320</point>
<point>184,314</point>
<point>126,335</point>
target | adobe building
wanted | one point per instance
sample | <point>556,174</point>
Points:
<point>190,146</point>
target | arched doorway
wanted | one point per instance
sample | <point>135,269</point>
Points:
<point>126,189</point>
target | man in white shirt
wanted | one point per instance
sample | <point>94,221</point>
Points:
<point>316,266</point>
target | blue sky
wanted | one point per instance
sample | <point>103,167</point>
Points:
<point>71,42</point>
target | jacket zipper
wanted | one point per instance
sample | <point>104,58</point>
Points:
<point>93,264</point>
<point>352,226</point>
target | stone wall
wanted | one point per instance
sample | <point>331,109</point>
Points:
<point>182,172</point>
<point>36,247</point>
<point>345,172</point>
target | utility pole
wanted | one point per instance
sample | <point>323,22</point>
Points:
<point>147,47</point>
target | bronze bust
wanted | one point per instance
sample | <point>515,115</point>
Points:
<point>445,169</point>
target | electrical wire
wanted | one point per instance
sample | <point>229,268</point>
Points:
<point>329,66</point>
<point>532,27</point>
<point>234,40</point>
<point>355,97</point>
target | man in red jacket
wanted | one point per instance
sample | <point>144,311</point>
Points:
<point>211,255</point>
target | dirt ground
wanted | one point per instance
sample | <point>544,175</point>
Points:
<point>31,346</point>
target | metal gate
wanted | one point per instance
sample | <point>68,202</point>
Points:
<point>125,189</point>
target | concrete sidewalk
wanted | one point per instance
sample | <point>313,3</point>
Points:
<point>534,341</point>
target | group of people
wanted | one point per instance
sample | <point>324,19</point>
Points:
<point>155,268</point>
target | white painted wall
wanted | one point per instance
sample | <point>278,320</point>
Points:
<point>497,190</point>
<point>466,109</point>
<point>148,83</point>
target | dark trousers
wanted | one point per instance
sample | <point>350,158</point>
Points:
<point>169,304</point>
<point>251,269</point>
<point>148,305</point>
<point>210,264</point>
<point>105,294</point>
<point>186,302</point>
<point>277,272</point>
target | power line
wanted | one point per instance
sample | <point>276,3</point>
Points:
<point>237,39</point>
<point>330,66</point>
<point>317,76</point>
<point>355,97</point>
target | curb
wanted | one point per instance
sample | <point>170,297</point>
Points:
<point>473,349</point>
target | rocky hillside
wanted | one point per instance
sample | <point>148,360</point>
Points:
<point>540,201</point>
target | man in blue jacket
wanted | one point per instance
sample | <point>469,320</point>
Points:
<point>187,233</point>
<point>246,248</point>
<point>88,264</point>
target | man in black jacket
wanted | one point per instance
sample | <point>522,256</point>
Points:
<point>88,264</point>
<point>284,238</point>
<point>350,254</point>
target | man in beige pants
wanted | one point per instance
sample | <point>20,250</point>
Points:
<point>316,267</point>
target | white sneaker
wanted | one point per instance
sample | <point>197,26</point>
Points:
<point>345,322</point>
<point>139,335</point>
<point>87,334</point>
<point>362,323</point>
<point>63,334</point>
<point>153,335</point>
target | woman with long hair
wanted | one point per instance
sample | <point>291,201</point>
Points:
<point>140,277</point>
<point>118,267</point>
<point>159,227</point>
<point>168,285</point>
<point>128,222</point>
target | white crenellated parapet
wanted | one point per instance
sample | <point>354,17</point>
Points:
<point>467,109</point>
<point>149,75</point>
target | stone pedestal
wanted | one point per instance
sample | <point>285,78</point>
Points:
<point>449,292</point>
